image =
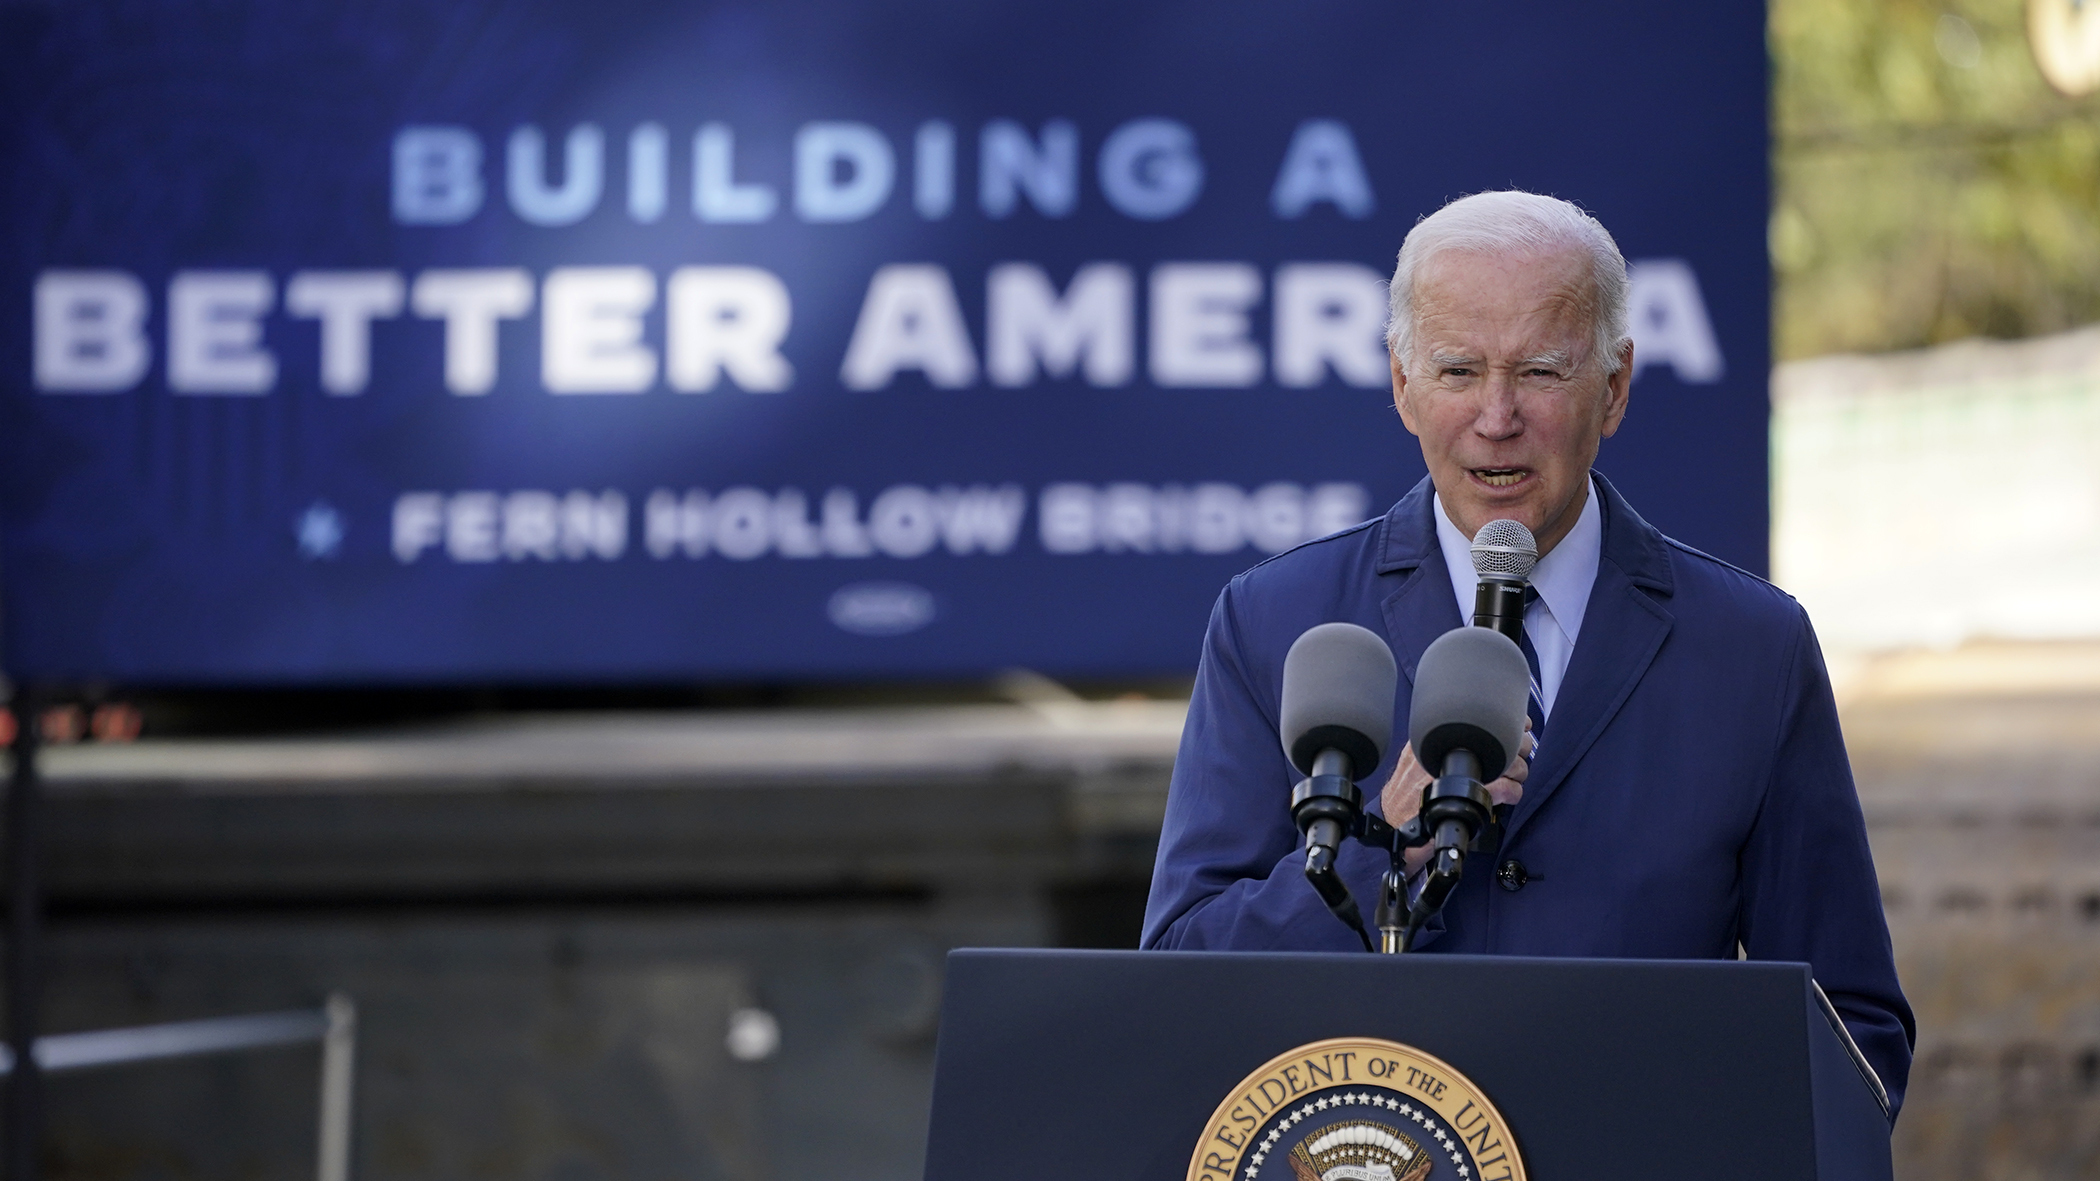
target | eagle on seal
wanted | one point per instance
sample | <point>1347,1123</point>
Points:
<point>1359,1150</point>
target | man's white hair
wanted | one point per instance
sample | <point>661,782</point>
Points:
<point>1515,222</point>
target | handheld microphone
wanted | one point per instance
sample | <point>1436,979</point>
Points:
<point>1337,719</point>
<point>1504,553</point>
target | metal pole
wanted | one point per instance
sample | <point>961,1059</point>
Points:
<point>338,1072</point>
<point>25,920</point>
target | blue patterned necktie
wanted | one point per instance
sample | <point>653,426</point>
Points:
<point>1537,705</point>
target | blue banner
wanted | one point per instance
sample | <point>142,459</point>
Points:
<point>644,341</point>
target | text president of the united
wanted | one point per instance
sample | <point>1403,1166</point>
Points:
<point>1689,793</point>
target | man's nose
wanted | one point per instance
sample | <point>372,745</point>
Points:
<point>1498,417</point>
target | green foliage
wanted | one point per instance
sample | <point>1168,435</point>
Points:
<point>1928,184</point>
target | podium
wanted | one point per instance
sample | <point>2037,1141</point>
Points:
<point>1205,1066</point>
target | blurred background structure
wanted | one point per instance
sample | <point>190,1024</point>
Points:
<point>697,933</point>
<point>1930,183</point>
<point>584,944</point>
<point>1935,242</point>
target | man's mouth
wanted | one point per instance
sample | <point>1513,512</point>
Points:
<point>1500,477</point>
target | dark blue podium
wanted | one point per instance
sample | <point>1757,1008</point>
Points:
<point>1117,1066</point>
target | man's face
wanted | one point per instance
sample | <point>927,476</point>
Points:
<point>1504,388</point>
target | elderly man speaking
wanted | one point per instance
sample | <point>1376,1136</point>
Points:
<point>1689,792</point>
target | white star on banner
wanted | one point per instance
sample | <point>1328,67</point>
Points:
<point>320,531</point>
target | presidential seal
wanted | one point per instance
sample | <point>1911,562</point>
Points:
<point>1356,1109</point>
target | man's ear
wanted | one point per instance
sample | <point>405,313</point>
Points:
<point>1618,389</point>
<point>1407,414</point>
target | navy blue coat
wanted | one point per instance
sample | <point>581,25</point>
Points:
<point>1693,789</point>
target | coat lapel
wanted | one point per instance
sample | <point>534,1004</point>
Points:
<point>1422,608</point>
<point>1622,631</point>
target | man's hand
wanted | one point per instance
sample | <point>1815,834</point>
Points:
<point>1401,797</point>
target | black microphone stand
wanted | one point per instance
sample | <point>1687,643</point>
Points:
<point>1456,814</point>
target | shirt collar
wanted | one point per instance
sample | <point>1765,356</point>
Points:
<point>1562,578</point>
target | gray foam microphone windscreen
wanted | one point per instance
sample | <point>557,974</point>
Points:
<point>1471,688</point>
<point>1505,549</point>
<point>1338,682</point>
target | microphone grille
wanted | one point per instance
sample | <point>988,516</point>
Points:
<point>1504,549</point>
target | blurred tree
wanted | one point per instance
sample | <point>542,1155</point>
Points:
<point>1928,184</point>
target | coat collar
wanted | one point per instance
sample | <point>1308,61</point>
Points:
<point>1410,531</point>
<point>1630,543</point>
<point>1621,633</point>
<point>1422,608</point>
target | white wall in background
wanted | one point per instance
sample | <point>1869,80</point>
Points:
<point>1933,497</point>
